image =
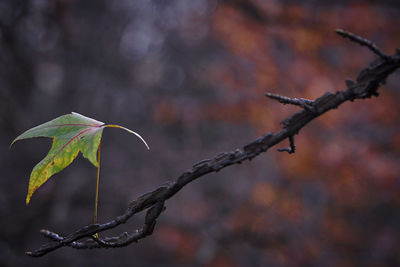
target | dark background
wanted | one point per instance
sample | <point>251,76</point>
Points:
<point>189,76</point>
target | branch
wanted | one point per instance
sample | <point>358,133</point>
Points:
<point>302,102</point>
<point>366,85</point>
<point>362,41</point>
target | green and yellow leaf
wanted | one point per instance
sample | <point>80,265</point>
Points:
<point>71,133</point>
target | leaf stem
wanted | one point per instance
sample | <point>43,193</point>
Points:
<point>128,130</point>
<point>97,188</point>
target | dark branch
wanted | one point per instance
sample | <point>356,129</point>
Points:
<point>362,41</point>
<point>365,86</point>
<point>290,149</point>
<point>302,102</point>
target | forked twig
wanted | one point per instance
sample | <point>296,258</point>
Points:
<point>290,149</point>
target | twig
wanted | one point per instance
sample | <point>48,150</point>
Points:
<point>366,85</point>
<point>302,102</point>
<point>362,41</point>
<point>290,149</point>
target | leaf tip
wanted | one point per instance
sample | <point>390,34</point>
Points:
<point>11,144</point>
<point>15,140</point>
<point>29,195</point>
<point>28,198</point>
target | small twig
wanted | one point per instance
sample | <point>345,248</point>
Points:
<point>290,149</point>
<point>51,235</point>
<point>101,242</point>
<point>362,41</point>
<point>302,102</point>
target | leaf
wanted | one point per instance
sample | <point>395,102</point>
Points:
<point>71,133</point>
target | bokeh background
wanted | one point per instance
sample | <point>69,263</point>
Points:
<point>189,76</point>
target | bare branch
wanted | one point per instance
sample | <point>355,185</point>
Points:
<point>302,102</point>
<point>366,85</point>
<point>362,41</point>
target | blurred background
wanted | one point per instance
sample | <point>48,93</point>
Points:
<point>190,77</point>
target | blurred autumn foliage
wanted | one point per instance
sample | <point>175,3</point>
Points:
<point>190,76</point>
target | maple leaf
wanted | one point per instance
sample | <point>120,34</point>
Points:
<point>71,133</point>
